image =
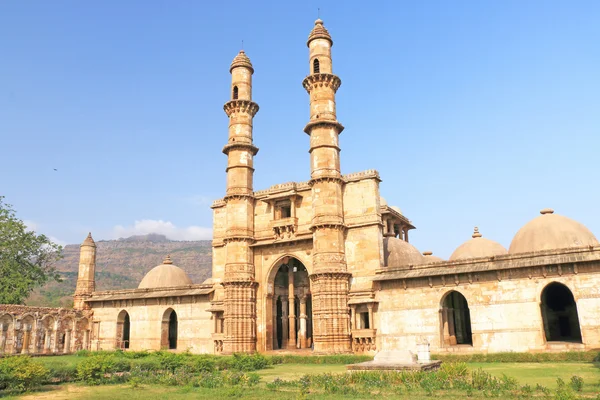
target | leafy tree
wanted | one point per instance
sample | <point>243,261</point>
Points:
<point>26,259</point>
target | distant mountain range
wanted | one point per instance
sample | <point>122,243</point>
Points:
<point>122,263</point>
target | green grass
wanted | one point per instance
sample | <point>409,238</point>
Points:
<point>545,374</point>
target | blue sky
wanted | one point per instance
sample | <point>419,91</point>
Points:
<point>474,113</point>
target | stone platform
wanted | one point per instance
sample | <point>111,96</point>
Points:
<point>395,361</point>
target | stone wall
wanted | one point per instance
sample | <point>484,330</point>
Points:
<point>194,330</point>
<point>505,314</point>
<point>43,330</point>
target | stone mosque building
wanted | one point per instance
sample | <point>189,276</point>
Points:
<point>327,265</point>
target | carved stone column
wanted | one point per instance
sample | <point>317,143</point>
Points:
<point>284,323</point>
<point>352,317</point>
<point>55,344</point>
<point>48,341</point>
<point>370,308</point>
<point>275,342</point>
<point>303,318</point>
<point>292,305</point>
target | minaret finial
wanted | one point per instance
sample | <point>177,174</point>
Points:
<point>476,233</point>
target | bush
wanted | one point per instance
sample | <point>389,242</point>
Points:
<point>98,368</point>
<point>248,362</point>
<point>577,383</point>
<point>21,373</point>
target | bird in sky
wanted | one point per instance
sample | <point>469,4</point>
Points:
<point>55,169</point>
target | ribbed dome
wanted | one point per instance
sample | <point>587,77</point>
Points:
<point>165,275</point>
<point>477,247</point>
<point>550,231</point>
<point>398,253</point>
<point>241,60</point>
<point>319,32</point>
<point>430,258</point>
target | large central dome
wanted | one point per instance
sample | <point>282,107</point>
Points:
<point>165,275</point>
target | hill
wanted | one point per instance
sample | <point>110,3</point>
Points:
<point>122,263</point>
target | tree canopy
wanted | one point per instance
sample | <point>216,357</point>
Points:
<point>26,258</point>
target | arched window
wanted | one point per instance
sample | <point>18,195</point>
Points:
<point>168,339</point>
<point>456,320</point>
<point>123,330</point>
<point>316,66</point>
<point>235,92</point>
<point>559,313</point>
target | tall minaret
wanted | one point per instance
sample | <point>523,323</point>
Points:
<point>86,281</point>
<point>330,278</point>
<point>238,282</point>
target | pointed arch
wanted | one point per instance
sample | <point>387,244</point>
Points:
<point>455,320</point>
<point>123,330</point>
<point>169,330</point>
<point>316,66</point>
<point>236,93</point>
<point>559,314</point>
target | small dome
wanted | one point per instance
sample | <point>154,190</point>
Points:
<point>319,32</point>
<point>165,275</point>
<point>550,231</point>
<point>398,253</point>
<point>241,60</point>
<point>477,247</point>
<point>382,201</point>
<point>397,209</point>
<point>430,258</point>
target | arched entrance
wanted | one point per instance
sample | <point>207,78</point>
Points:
<point>559,313</point>
<point>168,336</point>
<point>291,326</point>
<point>123,330</point>
<point>455,320</point>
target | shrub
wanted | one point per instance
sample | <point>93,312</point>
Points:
<point>577,383</point>
<point>513,357</point>
<point>248,362</point>
<point>97,368</point>
<point>21,373</point>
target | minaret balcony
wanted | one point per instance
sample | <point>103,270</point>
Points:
<point>237,106</point>
<point>284,228</point>
<point>319,80</point>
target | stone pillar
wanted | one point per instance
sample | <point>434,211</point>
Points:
<point>26,338</point>
<point>48,341</point>
<point>275,342</point>
<point>2,338</point>
<point>330,278</point>
<point>303,318</point>
<point>86,340</point>
<point>15,340</point>
<point>67,344</point>
<point>353,317</point>
<point>406,234</point>
<point>370,308</point>
<point>292,313</point>
<point>55,344</point>
<point>284,323</point>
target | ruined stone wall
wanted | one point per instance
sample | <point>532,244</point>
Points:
<point>42,330</point>
<point>195,323</point>
<point>505,314</point>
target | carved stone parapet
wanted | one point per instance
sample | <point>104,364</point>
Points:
<point>328,225</point>
<point>284,228</point>
<point>331,122</point>
<point>321,80</point>
<point>236,106</point>
<point>240,146</point>
<point>358,176</point>
<point>218,204</point>
<point>229,239</point>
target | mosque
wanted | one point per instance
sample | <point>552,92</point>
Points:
<point>326,265</point>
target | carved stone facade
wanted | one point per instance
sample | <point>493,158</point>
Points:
<point>327,265</point>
